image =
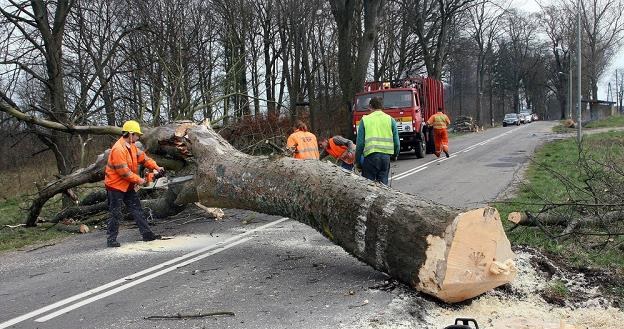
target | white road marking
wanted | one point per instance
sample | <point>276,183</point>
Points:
<point>139,281</point>
<point>131,277</point>
<point>465,150</point>
<point>409,173</point>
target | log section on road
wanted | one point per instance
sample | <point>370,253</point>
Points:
<point>439,250</point>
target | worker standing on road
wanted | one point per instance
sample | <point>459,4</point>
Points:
<point>122,181</point>
<point>302,143</point>
<point>440,121</point>
<point>342,149</point>
<point>378,141</point>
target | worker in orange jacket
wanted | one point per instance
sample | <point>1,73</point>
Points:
<point>122,181</point>
<point>342,149</point>
<point>302,143</point>
<point>440,121</point>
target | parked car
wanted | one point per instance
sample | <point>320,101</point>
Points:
<point>526,117</point>
<point>511,119</point>
<point>535,117</point>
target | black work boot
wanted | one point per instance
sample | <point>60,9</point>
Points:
<point>113,244</point>
<point>446,153</point>
<point>151,237</point>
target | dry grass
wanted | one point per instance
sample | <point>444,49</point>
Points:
<point>21,181</point>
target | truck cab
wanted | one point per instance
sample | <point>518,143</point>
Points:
<point>410,102</point>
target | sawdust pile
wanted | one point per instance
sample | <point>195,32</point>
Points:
<point>523,307</point>
<point>517,306</point>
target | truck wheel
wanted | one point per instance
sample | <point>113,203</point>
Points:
<point>420,146</point>
<point>430,143</point>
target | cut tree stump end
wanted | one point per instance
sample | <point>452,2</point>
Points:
<point>473,256</point>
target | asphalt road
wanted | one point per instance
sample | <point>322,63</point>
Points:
<point>249,270</point>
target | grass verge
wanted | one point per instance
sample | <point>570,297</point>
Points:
<point>552,165</point>
<point>13,211</point>
<point>610,122</point>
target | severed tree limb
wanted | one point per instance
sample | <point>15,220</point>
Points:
<point>91,174</point>
<point>436,249</point>
<point>160,207</point>
<point>555,219</point>
<point>181,316</point>
<point>80,212</point>
<point>94,197</point>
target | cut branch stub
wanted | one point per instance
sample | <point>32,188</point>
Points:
<point>434,248</point>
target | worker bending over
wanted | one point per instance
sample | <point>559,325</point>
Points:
<point>342,149</point>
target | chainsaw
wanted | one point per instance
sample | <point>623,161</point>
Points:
<point>463,323</point>
<point>158,180</point>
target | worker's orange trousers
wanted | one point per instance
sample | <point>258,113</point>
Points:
<point>440,139</point>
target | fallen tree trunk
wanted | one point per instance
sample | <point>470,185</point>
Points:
<point>439,250</point>
<point>436,249</point>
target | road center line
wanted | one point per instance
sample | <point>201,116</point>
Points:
<point>139,281</point>
<point>131,277</point>
<point>408,174</point>
<point>466,149</point>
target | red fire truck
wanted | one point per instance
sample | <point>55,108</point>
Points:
<point>410,102</point>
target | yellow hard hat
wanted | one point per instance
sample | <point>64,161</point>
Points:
<point>132,126</point>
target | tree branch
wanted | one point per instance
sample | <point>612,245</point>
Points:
<point>10,108</point>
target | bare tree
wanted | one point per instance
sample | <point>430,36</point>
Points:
<point>397,53</point>
<point>517,47</point>
<point>432,21</point>
<point>38,28</point>
<point>560,31</point>
<point>357,31</point>
<point>603,26</point>
<point>484,20</point>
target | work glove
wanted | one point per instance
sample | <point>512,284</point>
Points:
<point>347,156</point>
<point>159,172</point>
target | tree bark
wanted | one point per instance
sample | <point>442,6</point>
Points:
<point>436,249</point>
<point>353,57</point>
<point>433,248</point>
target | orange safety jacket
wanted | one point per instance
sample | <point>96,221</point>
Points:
<point>439,120</point>
<point>304,145</point>
<point>123,166</point>
<point>337,151</point>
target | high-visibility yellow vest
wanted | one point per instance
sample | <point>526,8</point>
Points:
<point>378,133</point>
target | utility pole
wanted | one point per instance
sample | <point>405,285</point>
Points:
<point>578,63</point>
<point>570,84</point>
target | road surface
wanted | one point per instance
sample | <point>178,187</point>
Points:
<point>249,270</point>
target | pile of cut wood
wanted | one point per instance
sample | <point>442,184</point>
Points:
<point>464,124</point>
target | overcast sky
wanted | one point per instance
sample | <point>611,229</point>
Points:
<point>617,62</point>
